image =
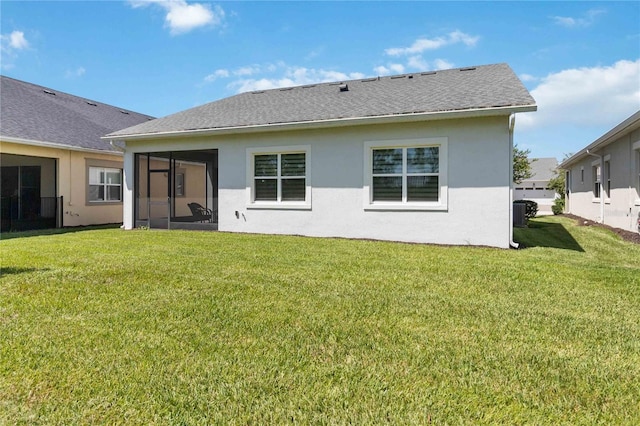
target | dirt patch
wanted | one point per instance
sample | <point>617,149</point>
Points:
<point>633,237</point>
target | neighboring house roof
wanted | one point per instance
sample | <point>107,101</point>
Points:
<point>542,169</point>
<point>30,113</point>
<point>630,124</point>
<point>487,88</point>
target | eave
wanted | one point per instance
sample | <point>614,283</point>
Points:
<point>612,135</point>
<point>54,145</point>
<point>340,122</point>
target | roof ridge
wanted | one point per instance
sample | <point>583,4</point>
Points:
<point>371,78</point>
<point>89,101</point>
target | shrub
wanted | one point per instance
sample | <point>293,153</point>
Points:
<point>558,206</point>
<point>531,209</point>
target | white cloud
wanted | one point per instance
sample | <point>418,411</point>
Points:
<point>183,17</point>
<point>17,40</point>
<point>587,20</point>
<point>423,44</point>
<point>289,76</point>
<point>221,73</point>
<point>418,63</point>
<point>594,96</point>
<point>528,77</point>
<point>10,45</point>
<point>247,70</point>
<point>382,70</point>
<point>78,72</point>
<point>441,64</point>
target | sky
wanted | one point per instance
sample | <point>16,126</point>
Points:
<point>579,60</point>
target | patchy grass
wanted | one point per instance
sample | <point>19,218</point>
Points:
<point>145,327</point>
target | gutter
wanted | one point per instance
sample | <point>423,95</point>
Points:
<point>54,145</point>
<point>627,125</point>
<point>116,147</point>
<point>601,158</point>
<point>335,122</point>
<point>512,124</point>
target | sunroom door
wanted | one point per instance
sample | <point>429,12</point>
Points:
<point>159,200</point>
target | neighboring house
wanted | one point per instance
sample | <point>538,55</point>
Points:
<point>423,157</point>
<point>603,179</point>
<point>536,188</point>
<point>56,170</point>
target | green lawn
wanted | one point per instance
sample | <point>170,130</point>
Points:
<point>149,327</point>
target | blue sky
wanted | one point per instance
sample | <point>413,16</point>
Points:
<point>580,60</point>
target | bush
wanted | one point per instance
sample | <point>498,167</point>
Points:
<point>531,209</point>
<point>558,206</point>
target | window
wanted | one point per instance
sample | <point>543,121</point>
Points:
<point>596,181</point>
<point>638,172</point>
<point>407,174</point>
<point>581,174</point>
<point>105,184</point>
<point>179,191</point>
<point>279,177</point>
<point>636,147</point>
<point>607,178</point>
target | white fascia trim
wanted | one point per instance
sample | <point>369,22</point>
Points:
<point>338,122</point>
<point>627,126</point>
<point>55,145</point>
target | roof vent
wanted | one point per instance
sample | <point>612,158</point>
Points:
<point>124,112</point>
<point>366,80</point>
<point>410,76</point>
<point>344,87</point>
<point>428,73</point>
<point>49,92</point>
<point>91,103</point>
<point>394,77</point>
<point>468,69</point>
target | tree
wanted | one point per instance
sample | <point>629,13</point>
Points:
<point>558,181</point>
<point>521,165</point>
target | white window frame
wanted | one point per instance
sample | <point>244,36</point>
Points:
<point>106,185</point>
<point>596,180</point>
<point>636,177</point>
<point>606,178</point>
<point>440,205</point>
<point>278,204</point>
<point>182,192</point>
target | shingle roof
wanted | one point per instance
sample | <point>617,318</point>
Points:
<point>543,168</point>
<point>481,87</point>
<point>32,112</point>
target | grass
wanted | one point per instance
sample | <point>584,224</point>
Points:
<point>151,327</point>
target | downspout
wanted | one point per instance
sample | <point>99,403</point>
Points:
<point>116,147</point>
<point>512,124</point>
<point>121,149</point>
<point>601,178</point>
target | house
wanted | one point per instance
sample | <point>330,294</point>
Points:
<point>424,157</point>
<point>536,188</point>
<point>603,179</point>
<point>56,169</point>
